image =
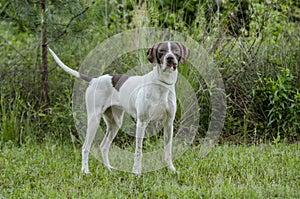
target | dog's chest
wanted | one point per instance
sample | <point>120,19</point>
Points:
<point>155,102</point>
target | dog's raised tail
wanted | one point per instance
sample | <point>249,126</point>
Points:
<point>67,69</point>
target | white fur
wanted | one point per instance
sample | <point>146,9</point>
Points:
<point>147,98</point>
<point>63,66</point>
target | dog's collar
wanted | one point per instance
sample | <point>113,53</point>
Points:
<point>166,83</point>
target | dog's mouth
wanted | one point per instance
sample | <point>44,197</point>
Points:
<point>171,63</point>
<point>170,66</point>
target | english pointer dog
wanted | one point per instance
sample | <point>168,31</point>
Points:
<point>150,97</point>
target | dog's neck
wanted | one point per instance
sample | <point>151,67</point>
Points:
<point>168,77</point>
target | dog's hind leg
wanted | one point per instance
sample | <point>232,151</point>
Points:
<point>113,118</point>
<point>94,114</point>
<point>93,123</point>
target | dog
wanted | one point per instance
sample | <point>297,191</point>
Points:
<point>150,97</point>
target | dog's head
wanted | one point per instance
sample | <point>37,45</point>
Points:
<point>168,54</point>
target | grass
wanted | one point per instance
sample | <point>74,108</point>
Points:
<point>50,170</point>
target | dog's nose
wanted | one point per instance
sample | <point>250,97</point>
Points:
<point>170,58</point>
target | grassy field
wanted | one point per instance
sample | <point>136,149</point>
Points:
<point>49,170</point>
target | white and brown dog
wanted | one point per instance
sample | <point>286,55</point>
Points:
<point>150,97</point>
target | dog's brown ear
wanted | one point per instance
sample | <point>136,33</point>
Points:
<point>151,54</point>
<point>185,52</point>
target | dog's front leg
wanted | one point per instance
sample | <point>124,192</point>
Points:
<point>168,138</point>
<point>140,133</point>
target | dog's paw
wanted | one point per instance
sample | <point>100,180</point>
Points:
<point>172,168</point>
<point>137,171</point>
<point>170,164</point>
<point>85,171</point>
<point>109,167</point>
<point>137,174</point>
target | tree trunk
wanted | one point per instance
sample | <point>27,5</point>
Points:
<point>44,55</point>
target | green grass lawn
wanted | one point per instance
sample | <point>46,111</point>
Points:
<point>50,170</point>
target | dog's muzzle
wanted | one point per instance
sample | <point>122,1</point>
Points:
<point>171,61</point>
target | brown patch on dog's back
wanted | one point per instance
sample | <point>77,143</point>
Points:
<point>118,80</point>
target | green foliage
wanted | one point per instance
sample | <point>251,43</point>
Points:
<point>11,119</point>
<point>21,120</point>
<point>269,45</point>
<point>278,99</point>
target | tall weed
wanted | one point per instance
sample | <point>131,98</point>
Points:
<point>248,40</point>
<point>14,123</point>
<point>278,101</point>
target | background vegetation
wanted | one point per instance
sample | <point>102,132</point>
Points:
<point>255,44</point>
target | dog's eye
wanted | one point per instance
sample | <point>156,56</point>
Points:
<point>177,55</point>
<point>160,53</point>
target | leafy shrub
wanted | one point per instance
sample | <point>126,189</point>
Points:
<point>278,102</point>
<point>247,39</point>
